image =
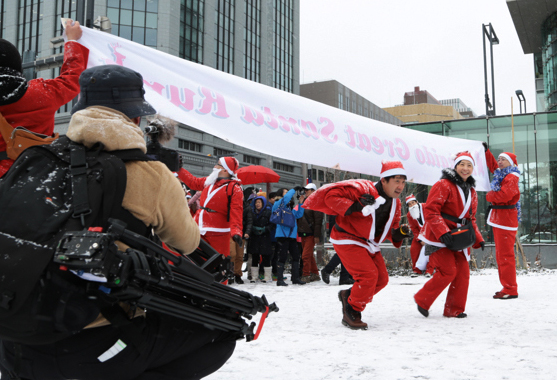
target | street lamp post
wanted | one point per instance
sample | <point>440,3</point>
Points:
<point>488,32</point>
<point>521,99</point>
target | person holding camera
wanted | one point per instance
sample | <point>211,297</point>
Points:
<point>367,214</point>
<point>220,215</point>
<point>309,230</point>
<point>452,202</point>
<point>141,345</point>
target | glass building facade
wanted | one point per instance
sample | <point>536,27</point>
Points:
<point>535,144</point>
<point>224,46</point>
<point>191,30</point>
<point>29,33</point>
<point>549,61</point>
<point>252,38</point>
<point>134,20</point>
<point>283,52</point>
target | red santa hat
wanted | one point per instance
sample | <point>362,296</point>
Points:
<point>391,168</point>
<point>464,156</point>
<point>509,157</point>
<point>410,198</point>
<point>230,164</point>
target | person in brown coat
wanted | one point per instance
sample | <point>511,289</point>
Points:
<point>309,230</point>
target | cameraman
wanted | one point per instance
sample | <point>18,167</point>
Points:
<point>145,345</point>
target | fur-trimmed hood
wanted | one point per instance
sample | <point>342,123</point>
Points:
<point>453,176</point>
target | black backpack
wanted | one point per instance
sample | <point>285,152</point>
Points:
<point>48,191</point>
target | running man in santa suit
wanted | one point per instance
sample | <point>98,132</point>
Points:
<point>221,204</point>
<point>367,213</point>
<point>503,217</point>
<point>415,218</point>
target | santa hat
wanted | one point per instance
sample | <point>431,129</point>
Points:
<point>391,168</point>
<point>410,198</point>
<point>464,156</point>
<point>509,157</point>
<point>230,164</point>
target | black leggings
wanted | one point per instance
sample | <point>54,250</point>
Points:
<point>285,245</point>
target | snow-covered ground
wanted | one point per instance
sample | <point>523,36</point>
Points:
<point>500,339</point>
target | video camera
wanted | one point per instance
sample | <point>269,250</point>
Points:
<point>158,280</point>
<point>161,130</point>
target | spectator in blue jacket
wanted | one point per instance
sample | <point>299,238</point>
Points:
<point>286,241</point>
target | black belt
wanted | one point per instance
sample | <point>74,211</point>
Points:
<point>208,209</point>
<point>453,218</point>
<point>3,155</point>
<point>340,229</point>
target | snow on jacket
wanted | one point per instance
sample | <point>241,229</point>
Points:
<point>336,199</point>
<point>212,216</point>
<point>153,195</point>
<point>415,224</point>
<point>36,109</point>
<point>506,219</point>
<point>297,211</point>
<point>446,196</point>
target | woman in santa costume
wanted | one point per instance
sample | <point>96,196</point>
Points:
<point>503,216</point>
<point>415,217</point>
<point>453,195</point>
<point>367,214</point>
<point>221,204</point>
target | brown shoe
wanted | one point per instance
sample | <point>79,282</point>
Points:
<point>314,277</point>
<point>306,279</point>
<point>350,317</point>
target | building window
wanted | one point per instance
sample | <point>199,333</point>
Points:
<point>224,46</point>
<point>321,176</point>
<point>283,50</point>
<point>218,152</point>
<point>67,9</point>
<point>29,32</point>
<point>340,101</point>
<point>1,19</point>
<point>189,145</point>
<point>191,30</point>
<point>252,160</point>
<point>252,36</point>
<point>134,20</point>
<point>283,167</point>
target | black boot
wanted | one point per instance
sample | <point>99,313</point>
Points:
<point>280,273</point>
<point>296,273</point>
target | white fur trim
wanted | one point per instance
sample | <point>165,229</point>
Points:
<point>508,158</point>
<point>464,157</point>
<point>391,172</point>
<point>222,161</point>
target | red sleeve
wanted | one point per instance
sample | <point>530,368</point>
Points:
<point>491,161</point>
<point>236,211</point>
<point>474,206</point>
<point>414,226</point>
<point>509,189</point>
<point>191,182</point>
<point>65,87</point>
<point>437,197</point>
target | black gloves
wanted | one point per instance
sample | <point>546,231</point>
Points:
<point>482,244</point>
<point>237,239</point>
<point>365,200</point>
<point>447,239</point>
<point>400,233</point>
<point>485,145</point>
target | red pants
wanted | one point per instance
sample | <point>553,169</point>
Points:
<point>310,266</point>
<point>219,241</point>
<point>368,270</point>
<point>237,256</point>
<point>504,254</point>
<point>451,269</point>
<point>415,249</point>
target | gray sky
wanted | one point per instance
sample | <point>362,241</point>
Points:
<point>383,48</point>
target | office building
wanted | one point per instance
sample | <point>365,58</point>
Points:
<point>254,39</point>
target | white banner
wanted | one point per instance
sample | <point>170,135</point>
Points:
<point>276,122</point>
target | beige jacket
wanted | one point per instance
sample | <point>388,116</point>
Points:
<point>153,194</point>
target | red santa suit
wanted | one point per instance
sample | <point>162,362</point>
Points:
<point>416,247</point>
<point>43,97</point>
<point>504,222</point>
<point>446,196</point>
<point>354,237</point>
<point>214,209</point>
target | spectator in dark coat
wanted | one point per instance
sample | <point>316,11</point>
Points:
<point>237,252</point>
<point>260,246</point>
<point>309,230</point>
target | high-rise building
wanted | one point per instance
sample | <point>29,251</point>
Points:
<point>254,39</point>
<point>535,22</point>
